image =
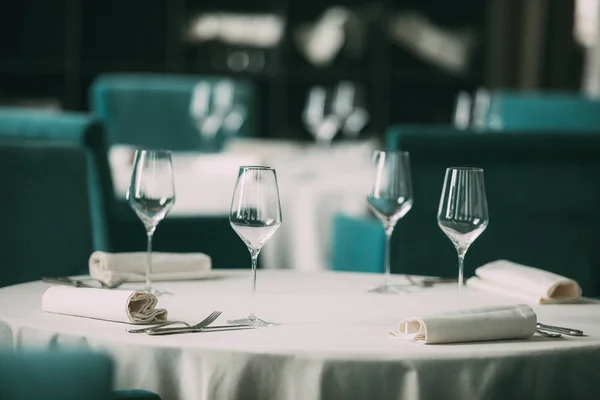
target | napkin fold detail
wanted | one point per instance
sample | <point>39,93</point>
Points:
<point>111,305</point>
<point>530,284</point>
<point>112,268</point>
<point>470,325</point>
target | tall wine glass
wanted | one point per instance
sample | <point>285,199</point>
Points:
<point>463,212</point>
<point>151,195</point>
<point>255,215</point>
<point>390,199</point>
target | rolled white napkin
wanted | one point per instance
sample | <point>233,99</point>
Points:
<point>529,284</point>
<point>112,268</point>
<point>112,305</point>
<point>471,325</point>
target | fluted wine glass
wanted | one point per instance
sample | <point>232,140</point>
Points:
<point>390,199</point>
<point>463,212</point>
<point>151,195</point>
<point>255,215</point>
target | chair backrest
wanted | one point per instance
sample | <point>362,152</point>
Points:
<point>153,110</point>
<point>542,193</point>
<point>544,111</point>
<point>358,244</point>
<point>46,226</point>
<point>71,129</point>
<point>55,375</point>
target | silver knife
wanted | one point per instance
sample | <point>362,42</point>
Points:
<point>560,329</point>
<point>216,328</point>
<point>64,281</point>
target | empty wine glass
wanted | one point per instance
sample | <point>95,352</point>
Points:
<point>319,115</point>
<point>463,212</point>
<point>255,215</point>
<point>390,199</point>
<point>350,107</point>
<point>151,195</point>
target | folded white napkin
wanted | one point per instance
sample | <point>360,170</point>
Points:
<point>112,268</point>
<point>471,325</point>
<point>529,284</point>
<point>112,305</point>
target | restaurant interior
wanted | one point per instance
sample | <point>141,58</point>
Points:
<point>324,164</point>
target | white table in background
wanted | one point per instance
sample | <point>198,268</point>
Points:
<point>332,344</point>
<point>314,184</point>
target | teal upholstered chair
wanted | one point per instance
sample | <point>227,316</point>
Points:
<point>543,197</point>
<point>71,129</point>
<point>44,211</point>
<point>64,376</point>
<point>543,111</point>
<point>153,110</point>
<point>358,244</point>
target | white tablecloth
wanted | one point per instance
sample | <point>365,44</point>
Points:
<point>314,184</point>
<point>333,343</point>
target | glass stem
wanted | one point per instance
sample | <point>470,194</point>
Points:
<point>149,261</point>
<point>461,281</point>
<point>254,256</point>
<point>388,256</point>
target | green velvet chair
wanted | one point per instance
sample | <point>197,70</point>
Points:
<point>542,192</point>
<point>542,111</point>
<point>61,375</point>
<point>153,110</point>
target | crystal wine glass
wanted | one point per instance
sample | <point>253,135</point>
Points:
<point>390,199</point>
<point>151,195</point>
<point>463,212</point>
<point>255,215</point>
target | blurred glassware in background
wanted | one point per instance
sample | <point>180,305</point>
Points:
<point>450,49</point>
<point>239,41</point>
<point>214,111</point>
<point>462,111</point>
<point>254,30</point>
<point>350,105</point>
<point>319,115</point>
<point>337,29</point>
<point>331,110</point>
<point>476,111</point>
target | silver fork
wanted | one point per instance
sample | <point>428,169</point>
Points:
<point>205,322</point>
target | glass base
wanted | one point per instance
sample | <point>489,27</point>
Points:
<point>390,289</point>
<point>252,320</point>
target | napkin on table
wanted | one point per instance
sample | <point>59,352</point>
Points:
<point>470,325</point>
<point>112,268</point>
<point>530,284</point>
<point>112,305</point>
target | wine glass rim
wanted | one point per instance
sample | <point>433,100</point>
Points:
<point>151,150</point>
<point>257,167</point>
<point>473,169</point>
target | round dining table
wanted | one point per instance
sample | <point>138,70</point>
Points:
<point>333,342</point>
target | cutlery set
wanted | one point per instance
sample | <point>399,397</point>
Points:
<point>202,326</point>
<point>163,328</point>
